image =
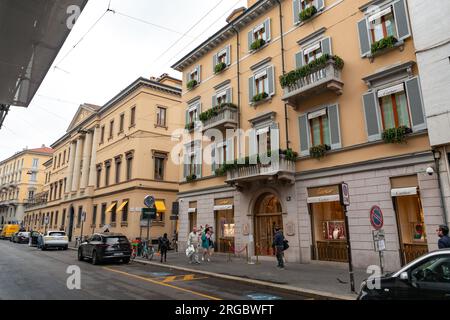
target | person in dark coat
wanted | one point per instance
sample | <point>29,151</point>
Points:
<point>278,244</point>
<point>163,246</point>
<point>444,240</point>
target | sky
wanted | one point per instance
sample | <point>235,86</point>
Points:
<point>142,38</point>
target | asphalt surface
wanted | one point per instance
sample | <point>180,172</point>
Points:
<point>27,273</point>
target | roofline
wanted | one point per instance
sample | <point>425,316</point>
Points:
<point>21,153</point>
<point>238,20</point>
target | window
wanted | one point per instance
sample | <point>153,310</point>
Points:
<point>35,163</point>
<point>94,215</point>
<point>60,188</point>
<point>382,25</point>
<point>129,157</point>
<point>312,53</point>
<point>305,4</point>
<point>56,218</point>
<point>191,164</point>
<point>111,129</point>
<point>435,269</point>
<point>59,160</point>
<point>222,57</point>
<point>51,219</point>
<point>33,177</point>
<point>263,140</point>
<point>121,122</point>
<point>159,167</point>
<point>161,116</point>
<point>80,211</point>
<point>30,195</point>
<point>102,134</point>
<point>64,157</point>
<point>261,32</point>
<point>99,175</point>
<point>133,117</point>
<point>193,112</point>
<point>394,108</point>
<point>107,172</point>
<point>114,213</point>
<point>118,168</point>
<point>320,129</point>
<point>261,83</point>
<point>221,97</point>
<point>103,215</point>
<point>63,222</point>
<point>125,211</point>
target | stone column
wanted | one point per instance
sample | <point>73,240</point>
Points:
<point>71,165</point>
<point>92,169</point>
<point>87,148</point>
<point>76,166</point>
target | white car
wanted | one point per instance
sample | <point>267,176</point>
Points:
<point>54,239</point>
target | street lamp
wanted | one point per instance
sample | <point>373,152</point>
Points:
<point>436,154</point>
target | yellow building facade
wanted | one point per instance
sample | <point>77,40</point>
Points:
<point>21,178</point>
<point>333,85</point>
<point>111,157</point>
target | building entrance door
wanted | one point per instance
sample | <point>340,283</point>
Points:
<point>268,216</point>
<point>71,218</point>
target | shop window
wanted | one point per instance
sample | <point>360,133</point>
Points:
<point>224,229</point>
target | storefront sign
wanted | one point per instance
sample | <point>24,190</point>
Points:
<point>223,207</point>
<point>290,228</point>
<point>376,217</point>
<point>398,192</point>
<point>323,191</point>
<point>331,198</point>
<point>344,194</point>
<point>192,210</point>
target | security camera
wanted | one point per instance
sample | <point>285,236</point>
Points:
<point>430,171</point>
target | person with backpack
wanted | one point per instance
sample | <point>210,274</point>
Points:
<point>279,244</point>
<point>163,243</point>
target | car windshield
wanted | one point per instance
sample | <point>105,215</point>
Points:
<point>57,234</point>
<point>116,240</point>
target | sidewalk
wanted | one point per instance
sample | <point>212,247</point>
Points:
<point>316,279</point>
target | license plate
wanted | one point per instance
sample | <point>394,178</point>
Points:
<point>118,254</point>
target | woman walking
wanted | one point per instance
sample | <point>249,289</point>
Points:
<point>205,244</point>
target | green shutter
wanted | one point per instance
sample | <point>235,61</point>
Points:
<point>299,59</point>
<point>333,120</point>
<point>413,91</point>
<point>304,134</point>
<point>296,10</point>
<point>251,88</point>
<point>364,41</point>
<point>372,116</point>
<point>401,20</point>
<point>271,80</point>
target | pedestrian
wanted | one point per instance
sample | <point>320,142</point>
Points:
<point>163,243</point>
<point>278,244</point>
<point>444,239</point>
<point>192,246</point>
<point>205,244</point>
<point>211,243</point>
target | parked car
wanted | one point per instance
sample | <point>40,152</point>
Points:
<point>54,239</point>
<point>21,237</point>
<point>105,247</point>
<point>9,230</point>
<point>425,278</point>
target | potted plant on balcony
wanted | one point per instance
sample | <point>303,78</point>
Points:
<point>289,154</point>
<point>383,44</point>
<point>191,84</point>
<point>396,135</point>
<point>260,97</point>
<point>219,67</point>
<point>307,13</point>
<point>189,126</point>
<point>319,151</point>
<point>191,178</point>
<point>258,43</point>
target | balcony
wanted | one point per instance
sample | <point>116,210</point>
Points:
<point>282,170</point>
<point>304,83</point>
<point>223,116</point>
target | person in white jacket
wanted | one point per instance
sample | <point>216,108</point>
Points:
<point>193,242</point>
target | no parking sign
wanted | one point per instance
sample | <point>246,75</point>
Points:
<point>376,217</point>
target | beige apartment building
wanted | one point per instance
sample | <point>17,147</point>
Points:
<point>21,178</point>
<point>334,81</point>
<point>110,158</point>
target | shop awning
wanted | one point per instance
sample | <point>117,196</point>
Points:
<point>191,210</point>
<point>398,192</point>
<point>330,198</point>
<point>224,207</point>
<point>123,204</point>
<point>111,207</point>
<point>160,206</point>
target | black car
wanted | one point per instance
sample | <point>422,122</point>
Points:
<point>21,237</point>
<point>426,278</point>
<point>105,247</point>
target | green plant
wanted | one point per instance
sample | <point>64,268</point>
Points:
<point>396,135</point>
<point>289,154</point>
<point>191,178</point>
<point>191,84</point>
<point>293,76</point>
<point>319,151</point>
<point>219,67</point>
<point>259,97</point>
<point>258,43</point>
<point>214,111</point>
<point>307,13</point>
<point>189,126</point>
<point>382,44</point>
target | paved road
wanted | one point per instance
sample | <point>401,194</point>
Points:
<point>28,273</point>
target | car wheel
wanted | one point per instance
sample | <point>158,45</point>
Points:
<point>80,255</point>
<point>65,248</point>
<point>126,260</point>
<point>94,258</point>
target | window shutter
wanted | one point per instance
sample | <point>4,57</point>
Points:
<point>199,71</point>
<point>228,55</point>
<point>299,59</point>
<point>296,10</point>
<point>326,46</point>
<point>304,134</point>
<point>401,20</point>
<point>372,115</point>
<point>199,110</point>
<point>215,61</point>
<point>364,41</point>
<point>187,116</point>
<point>198,162</point>
<point>253,145</point>
<point>274,137</point>
<point>267,28</point>
<point>187,77</point>
<point>271,80</point>
<point>186,163</point>
<point>229,157</point>
<point>229,97</point>
<point>251,88</point>
<point>213,158</point>
<point>414,94</point>
<point>333,120</point>
<point>213,101</point>
<point>320,4</point>
<point>250,40</point>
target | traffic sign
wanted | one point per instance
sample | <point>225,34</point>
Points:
<point>376,217</point>
<point>148,211</point>
<point>46,220</point>
<point>83,216</point>
<point>344,194</point>
<point>173,217</point>
<point>149,201</point>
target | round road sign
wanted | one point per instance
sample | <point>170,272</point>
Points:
<point>149,201</point>
<point>376,217</point>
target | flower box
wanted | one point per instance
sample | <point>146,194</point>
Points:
<point>258,43</point>
<point>383,44</point>
<point>220,67</point>
<point>307,13</point>
<point>396,135</point>
<point>319,151</point>
<point>191,178</point>
<point>191,84</point>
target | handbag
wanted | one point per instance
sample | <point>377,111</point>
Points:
<point>285,244</point>
<point>190,250</point>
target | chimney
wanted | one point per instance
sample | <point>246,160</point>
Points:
<point>236,13</point>
<point>43,146</point>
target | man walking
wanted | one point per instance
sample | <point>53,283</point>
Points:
<point>163,246</point>
<point>444,240</point>
<point>278,243</point>
<point>193,242</point>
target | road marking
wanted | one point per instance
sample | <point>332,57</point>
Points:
<point>162,283</point>
<point>187,277</point>
<point>169,279</point>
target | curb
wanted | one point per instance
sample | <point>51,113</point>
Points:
<point>285,288</point>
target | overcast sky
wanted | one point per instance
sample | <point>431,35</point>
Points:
<point>113,54</point>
